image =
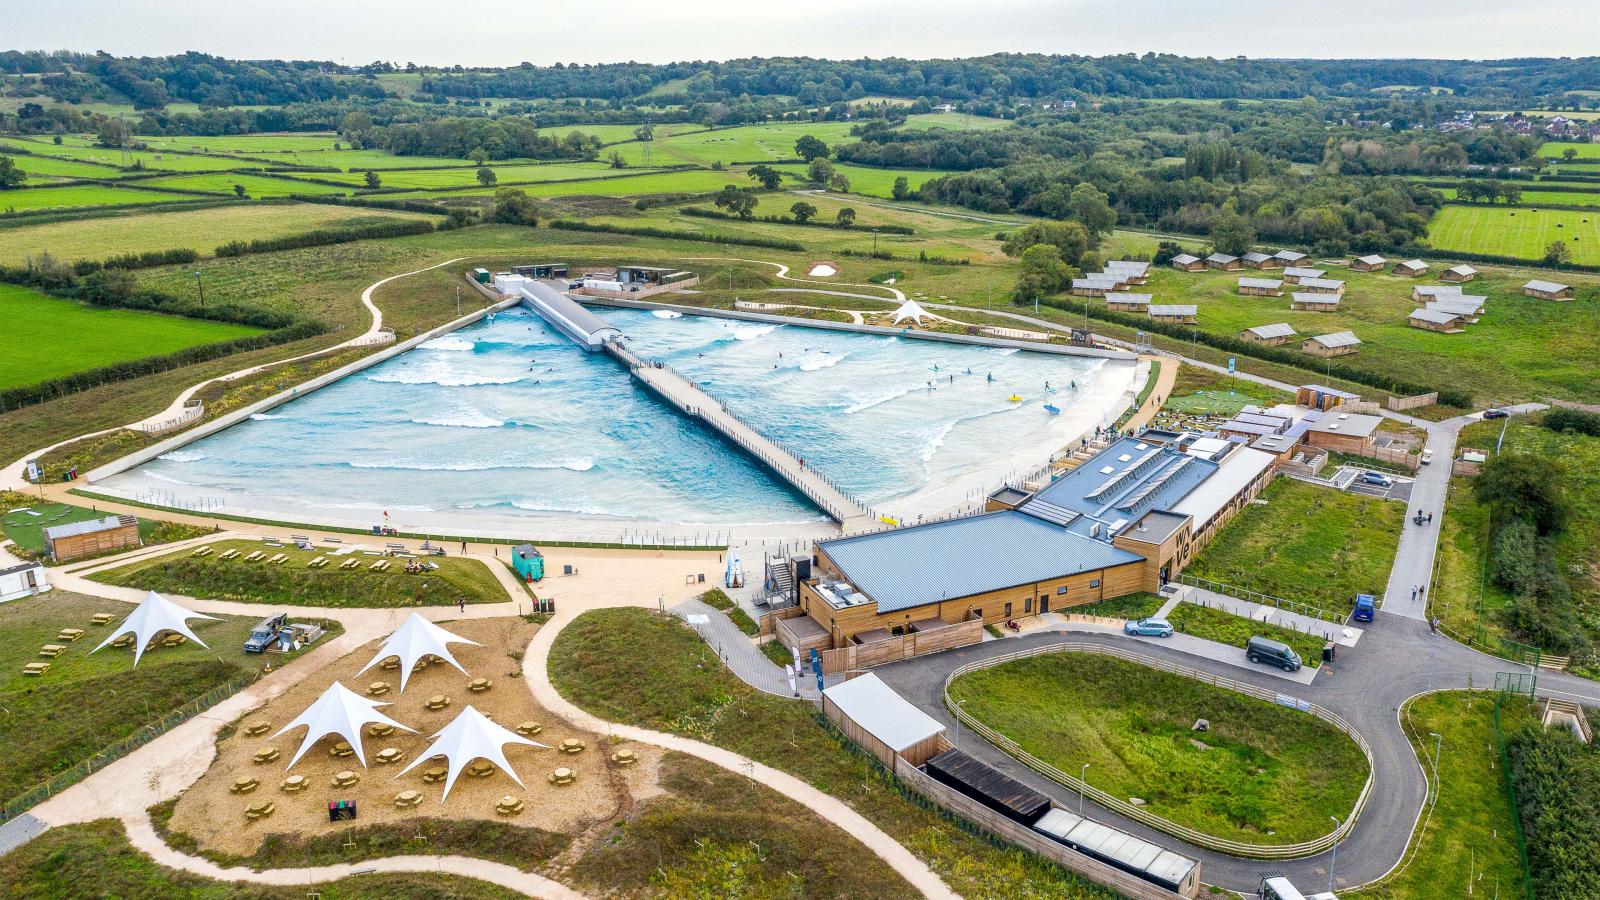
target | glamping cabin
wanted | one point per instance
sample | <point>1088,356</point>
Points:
<point>1224,262</point>
<point>1257,261</point>
<point>1268,335</point>
<point>1309,302</point>
<point>1261,287</point>
<point>1290,258</point>
<point>1425,292</point>
<point>1547,290</point>
<point>1339,343</point>
<point>1468,306</point>
<point>1133,271</point>
<point>1436,320</point>
<point>1178,314</point>
<point>1411,268</point>
<point>1096,286</point>
<point>1187,262</point>
<point>1293,274</point>
<point>1458,274</point>
<point>1124,302</point>
<point>1320,286</point>
<point>75,540</point>
<point>1370,263</point>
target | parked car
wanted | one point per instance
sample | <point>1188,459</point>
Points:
<point>1266,650</point>
<point>1376,478</point>
<point>1150,627</point>
<point>1366,605</point>
<point>1427,456</point>
<point>265,632</point>
<point>1496,414</point>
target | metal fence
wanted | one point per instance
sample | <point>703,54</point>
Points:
<point>1137,814</point>
<point>21,803</point>
<point>1294,606</point>
<point>1511,795</point>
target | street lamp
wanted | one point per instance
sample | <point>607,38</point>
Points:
<point>959,704</point>
<point>1082,774</point>
<point>1335,861</point>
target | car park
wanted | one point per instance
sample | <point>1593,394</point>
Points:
<point>1148,627</point>
<point>1377,479</point>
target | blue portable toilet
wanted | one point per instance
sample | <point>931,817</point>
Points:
<point>528,562</point>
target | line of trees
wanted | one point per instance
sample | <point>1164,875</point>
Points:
<point>1557,782</point>
<point>324,236</point>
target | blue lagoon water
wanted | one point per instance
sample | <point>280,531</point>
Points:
<point>507,425</point>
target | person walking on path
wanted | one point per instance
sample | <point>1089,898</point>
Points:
<point>461,602</point>
<point>1433,624</point>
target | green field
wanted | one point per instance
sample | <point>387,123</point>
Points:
<point>1556,148</point>
<point>64,168</point>
<point>870,181</point>
<point>171,162</point>
<point>1533,196</point>
<point>79,196</point>
<point>1517,231</point>
<point>746,143</point>
<point>689,181</point>
<point>1309,544</point>
<point>257,186</point>
<point>956,122</point>
<point>1263,773</point>
<point>1519,348</point>
<point>468,175</point>
<point>201,229</point>
<point>243,144</point>
<point>49,338</point>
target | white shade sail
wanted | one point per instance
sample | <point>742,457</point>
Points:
<point>469,736</point>
<point>414,639</point>
<point>910,310</point>
<point>153,615</point>
<point>338,711</point>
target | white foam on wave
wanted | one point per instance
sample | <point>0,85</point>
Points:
<point>579,509</point>
<point>1008,351</point>
<point>444,380</point>
<point>879,401</point>
<point>577,464</point>
<point>183,456</point>
<point>936,441</point>
<point>667,314</point>
<point>167,478</point>
<point>751,332</point>
<point>466,420</point>
<point>265,417</point>
<point>821,361</point>
<point>448,343</point>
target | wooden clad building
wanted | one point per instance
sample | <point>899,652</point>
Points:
<point>1310,302</point>
<point>1547,290</point>
<point>1370,263</point>
<point>76,540</point>
<point>1224,262</point>
<point>1261,287</point>
<point>1180,313</point>
<point>1187,262</point>
<point>1458,274</point>
<point>1436,320</point>
<point>882,722</point>
<point>1258,261</point>
<point>1269,335</point>
<point>1411,268</point>
<point>1339,343</point>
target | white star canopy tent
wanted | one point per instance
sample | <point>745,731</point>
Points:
<point>338,711</point>
<point>910,310</point>
<point>413,640</point>
<point>469,736</point>
<point>153,615</point>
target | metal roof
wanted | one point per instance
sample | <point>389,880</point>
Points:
<point>88,526</point>
<point>1097,496</point>
<point>1184,259</point>
<point>1221,258</point>
<point>1127,265</point>
<point>1373,260</point>
<point>1436,316</point>
<point>1290,255</point>
<point>1414,264</point>
<point>1330,283</point>
<point>1118,297</point>
<point>1270,284</point>
<point>1181,309</point>
<point>1358,424</point>
<point>1331,392</point>
<point>1462,270</point>
<point>1338,338</point>
<point>882,713</point>
<point>1303,272</point>
<point>1305,297</point>
<point>1256,257</point>
<point>910,567</point>
<point>1464,305</point>
<point>1547,286</point>
<point>1434,290</point>
<point>1280,329</point>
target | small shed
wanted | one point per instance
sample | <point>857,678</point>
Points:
<point>1436,320</point>
<point>75,540</point>
<point>23,580</point>
<point>1224,261</point>
<point>1411,268</point>
<point>1293,274</point>
<point>1181,314</point>
<point>1339,343</point>
<point>1188,262</point>
<point>882,722</point>
<point>1458,274</point>
<point>1258,261</point>
<point>1320,286</point>
<point>1321,397</point>
<point>1547,290</point>
<point>528,562</point>
<point>1290,257</point>
<point>1370,263</point>
<point>481,276</point>
<point>1269,335</point>
<point>1261,287</point>
<point>1128,302</point>
<point>1310,302</point>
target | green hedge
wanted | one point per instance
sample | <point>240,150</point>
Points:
<point>325,236</point>
<point>790,220</point>
<point>645,231</point>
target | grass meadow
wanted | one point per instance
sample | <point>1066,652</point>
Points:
<point>80,195</point>
<point>467,176</point>
<point>49,338</point>
<point>956,121</point>
<point>155,161</point>
<point>745,143</point>
<point>256,186</point>
<point>689,181</point>
<point>1518,231</point>
<point>64,168</point>
<point>1556,148</point>
<point>1534,197</point>
<point>1263,773</point>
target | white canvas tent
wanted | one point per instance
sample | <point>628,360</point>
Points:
<point>153,615</point>
<point>910,310</point>
<point>413,640</point>
<point>338,711</point>
<point>469,736</point>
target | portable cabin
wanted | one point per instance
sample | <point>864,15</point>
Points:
<point>880,721</point>
<point>1128,302</point>
<point>23,580</point>
<point>1224,262</point>
<point>1187,262</point>
<point>1339,343</point>
<point>480,275</point>
<point>1258,261</point>
<point>1436,320</point>
<point>1411,268</point>
<point>528,562</point>
<point>1458,274</point>
<point>1293,274</point>
<point>1269,335</point>
<point>1261,287</point>
<point>1179,314</point>
<point>1309,302</point>
<point>78,539</point>
<point>1547,290</point>
<point>1370,263</point>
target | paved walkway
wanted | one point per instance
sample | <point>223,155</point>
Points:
<point>741,655</point>
<point>1329,631</point>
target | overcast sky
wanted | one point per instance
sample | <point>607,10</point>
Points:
<point>506,32</point>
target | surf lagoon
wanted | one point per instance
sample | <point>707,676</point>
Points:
<point>506,426</point>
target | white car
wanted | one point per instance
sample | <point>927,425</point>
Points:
<point>1427,456</point>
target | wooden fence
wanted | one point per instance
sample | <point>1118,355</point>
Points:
<point>1400,403</point>
<point>769,621</point>
<point>1138,814</point>
<point>917,643</point>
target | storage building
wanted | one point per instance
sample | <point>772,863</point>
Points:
<point>882,722</point>
<point>79,539</point>
<point>1322,397</point>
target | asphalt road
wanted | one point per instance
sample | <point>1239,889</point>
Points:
<point>1395,659</point>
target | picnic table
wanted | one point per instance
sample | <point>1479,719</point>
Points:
<point>437,701</point>
<point>69,634</point>
<point>407,798</point>
<point>380,729</point>
<point>293,784</point>
<point>345,778</point>
<point>52,650</point>
<point>508,805</point>
<point>244,784</point>
<point>260,810</point>
<point>266,754</point>
<point>389,755</point>
<point>479,685</point>
<point>342,749</point>
<point>571,745</point>
<point>529,728</point>
<point>563,775</point>
<point>480,768</point>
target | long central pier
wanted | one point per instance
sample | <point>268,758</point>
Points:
<point>689,399</point>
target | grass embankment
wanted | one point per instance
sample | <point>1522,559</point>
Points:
<point>716,599</point>
<point>292,583</point>
<point>47,337</point>
<point>1128,606</point>
<point>1466,845</point>
<point>1227,628</point>
<point>1202,392</point>
<point>1263,773</point>
<point>628,665</point>
<point>26,531</point>
<point>717,834</point>
<point>1310,544</point>
<point>97,858</point>
<point>107,697</point>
